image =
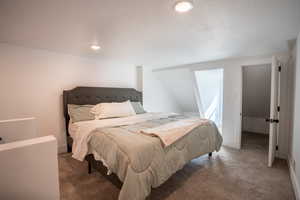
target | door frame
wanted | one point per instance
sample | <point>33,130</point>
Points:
<point>239,139</point>
<point>278,97</point>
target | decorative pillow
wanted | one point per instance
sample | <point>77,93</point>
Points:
<point>112,110</point>
<point>79,113</point>
<point>138,108</point>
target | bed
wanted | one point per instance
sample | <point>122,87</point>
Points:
<point>116,146</point>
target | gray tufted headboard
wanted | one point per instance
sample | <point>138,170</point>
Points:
<point>95,95</point>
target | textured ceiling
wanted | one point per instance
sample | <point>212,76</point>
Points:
<point>149,32</point>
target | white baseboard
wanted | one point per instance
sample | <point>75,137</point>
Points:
<point>294,180</point>
<point>281,155</point>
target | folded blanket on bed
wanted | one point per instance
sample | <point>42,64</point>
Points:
<point>171,132</point>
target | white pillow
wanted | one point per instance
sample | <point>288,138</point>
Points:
<point>112,110</point>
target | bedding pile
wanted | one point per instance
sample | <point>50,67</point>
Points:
<point>139,160</point>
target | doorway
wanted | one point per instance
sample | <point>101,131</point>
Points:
<point>256,106</point>
<point>210,94</point>
<point>252,116</point>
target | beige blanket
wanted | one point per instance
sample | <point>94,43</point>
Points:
<point>173,131</point>
<point>141,162</point>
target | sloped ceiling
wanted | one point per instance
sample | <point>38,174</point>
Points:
<point>179,83</point>
<point>149,32</point>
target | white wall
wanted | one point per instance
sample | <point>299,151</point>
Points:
<point>178,83</point>
<point>32,82</point>
<point>157,98</point>
<point>255,125</point>
<point>295,140</point>
<point>139,78</point>
<point>233,94</point>
<point>29,169</point>
<point>256,98</point>
<point>17,129</point>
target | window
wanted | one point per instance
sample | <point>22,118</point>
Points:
<point>210,94</point>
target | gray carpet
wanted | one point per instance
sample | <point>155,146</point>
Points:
<point>229,175</point>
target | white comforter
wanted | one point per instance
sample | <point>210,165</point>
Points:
<point>81,131</point>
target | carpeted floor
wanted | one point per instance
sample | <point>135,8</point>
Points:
<point>229,175</point>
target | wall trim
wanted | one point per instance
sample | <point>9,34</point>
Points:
<point>281,155</point>
<point>294,180</point>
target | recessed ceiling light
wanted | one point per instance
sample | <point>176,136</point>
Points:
<point>95,47</point>
<point>183,6</point>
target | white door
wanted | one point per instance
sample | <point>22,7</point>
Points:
<point>274,110</point>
